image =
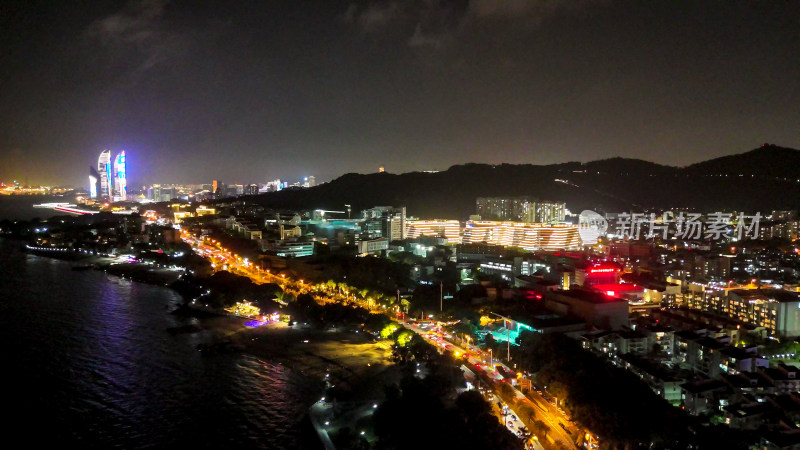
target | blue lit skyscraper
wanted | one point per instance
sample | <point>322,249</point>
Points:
<point>120,182</point>
<point>104,170</point>
<point>94,183</point>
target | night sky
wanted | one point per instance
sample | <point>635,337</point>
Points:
<point>246,91</point>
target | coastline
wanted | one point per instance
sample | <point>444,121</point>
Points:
<point>141,272</point>
<point>348,357</point>
<point>344,358</point>
<point>340,352</point>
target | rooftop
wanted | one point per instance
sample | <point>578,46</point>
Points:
<point>782,439</point>
<point>618,287</point>
<point>696,387</point>
<point>737,353</point>
<point>750,409</point>
<point>767,294</point>
<point>589,296</point>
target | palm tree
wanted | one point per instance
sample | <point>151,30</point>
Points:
<point>331,285</point>
<point>540,427</point>
<point>280,297</point>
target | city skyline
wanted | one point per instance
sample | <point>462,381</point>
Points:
<point>280,89</point>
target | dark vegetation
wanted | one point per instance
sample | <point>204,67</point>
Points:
<point>370,273</point>
<point>427,412</point>
<point>607,185</point>
<point>227,289</point>
<point>611,401</point>
<point>306,309</point>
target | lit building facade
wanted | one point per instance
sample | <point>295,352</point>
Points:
<point>251,189</point>
<point>373,245</point>
<point>385,221</point>
<point>600,273</point>
<point>527,236</point>
<point>550,212</point>
<point>520,209</point>
<point>776,310</point>
<point>448,229</point>
<point>288,249</point>
<point>204,210</point>
<point>104,170</point>
<point>94,183</point>
<point>120,187</point>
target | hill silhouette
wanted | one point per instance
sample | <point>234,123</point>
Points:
<point>763,179</point>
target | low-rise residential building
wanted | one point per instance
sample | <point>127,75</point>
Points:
<point>660,380</point>
<point>749,416</point>
<point>596,309</point>
<point>373,245</point>
<point>776,310</point>
<point>287,249</point>
<point>703,396</point>
<point>783,377</point>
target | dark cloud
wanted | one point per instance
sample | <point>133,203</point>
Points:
<point>138,29</point>
<point>420,39</point>
<point>420,23</point>
<point>138,23</point>
<point>439,23</point>
<point>524,9</point>
<point>375,17</point>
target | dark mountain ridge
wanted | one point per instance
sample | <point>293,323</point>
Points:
<point>762,180</point>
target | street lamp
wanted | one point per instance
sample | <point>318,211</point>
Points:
<point>508,335</point>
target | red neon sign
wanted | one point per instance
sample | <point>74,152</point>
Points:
<point>602,270</point>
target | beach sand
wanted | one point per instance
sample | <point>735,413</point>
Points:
<point>348,357</point>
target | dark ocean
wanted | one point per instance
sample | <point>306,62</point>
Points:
<point>20,207</point>
<point>87,360</point>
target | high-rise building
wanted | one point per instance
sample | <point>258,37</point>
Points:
<point>520,209</point>
<point>385,221</point>
<point>156,190</point>
<point>120,178</point>
<point>550,212</point>
<point>94,183</point>
<point>168,193</point>
<point>274,185</point>
<point>251,189</point>
<point>312,181</point>
<point>104,170</point>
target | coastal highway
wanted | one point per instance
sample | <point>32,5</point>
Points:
<point>223,259</point>
<point>477,359</point>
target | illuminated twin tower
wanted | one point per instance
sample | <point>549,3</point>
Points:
<point>105,185</point>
